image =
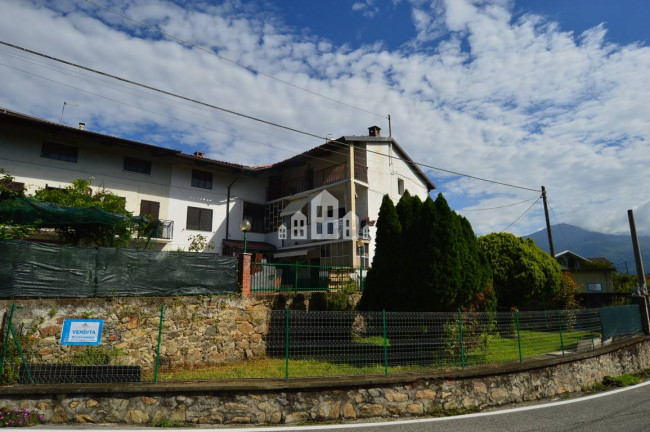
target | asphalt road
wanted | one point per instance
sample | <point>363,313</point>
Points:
<point>626,409</point>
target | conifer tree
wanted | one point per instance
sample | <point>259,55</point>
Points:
<point>382,279</point>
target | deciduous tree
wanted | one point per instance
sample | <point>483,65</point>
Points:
<point>524,276</point>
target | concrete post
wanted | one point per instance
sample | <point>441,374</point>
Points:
<point>244,274</point>
<point>642,301</point>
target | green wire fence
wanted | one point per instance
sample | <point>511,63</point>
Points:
<point>299,343</point>
<point>297,277</point>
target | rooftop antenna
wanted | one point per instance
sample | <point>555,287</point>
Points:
<point>63,109</point>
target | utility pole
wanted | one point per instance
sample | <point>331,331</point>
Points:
<point>640,294</point>
<point>641,289</point>
<point>548,223</point>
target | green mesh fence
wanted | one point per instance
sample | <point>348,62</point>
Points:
<point>296,277</point>
<point>202,339</point>
<point>30,269</point>
<point>620,320</point>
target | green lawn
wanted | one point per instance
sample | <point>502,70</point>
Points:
<point>533,344</point>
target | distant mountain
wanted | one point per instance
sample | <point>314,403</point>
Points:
<point>589,244</point>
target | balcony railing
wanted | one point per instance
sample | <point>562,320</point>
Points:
<point>164,229</point>
<point>320,178</point>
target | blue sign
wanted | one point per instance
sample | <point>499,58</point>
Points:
<point>82,332</point>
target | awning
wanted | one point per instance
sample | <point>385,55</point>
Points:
<point>290,254</point>
<point>294,206</point>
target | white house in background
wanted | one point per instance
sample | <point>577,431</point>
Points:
<point>346,178</point>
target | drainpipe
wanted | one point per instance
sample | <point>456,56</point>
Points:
<point>228,209</point>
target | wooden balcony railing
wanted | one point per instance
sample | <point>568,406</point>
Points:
<point>320,178</point>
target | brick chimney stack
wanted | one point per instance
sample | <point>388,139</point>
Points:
<point>374,131</point>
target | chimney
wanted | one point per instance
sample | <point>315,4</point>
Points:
<point>198,154</point>
<point>82,126</point>
<point>374,131</point>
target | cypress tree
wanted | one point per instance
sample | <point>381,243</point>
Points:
<point>409,211</point>
<point>382,279</point>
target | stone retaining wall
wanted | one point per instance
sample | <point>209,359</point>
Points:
<point>297,402</point>
<point>197,330</point>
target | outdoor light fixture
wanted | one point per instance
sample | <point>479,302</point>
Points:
<point>245,226</point>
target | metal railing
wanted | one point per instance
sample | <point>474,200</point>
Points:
<point>164,229</point>
<point>297,277</point>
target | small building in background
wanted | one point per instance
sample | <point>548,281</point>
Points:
<point>593,275</point>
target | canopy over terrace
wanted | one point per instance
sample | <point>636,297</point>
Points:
<point>27,211</point>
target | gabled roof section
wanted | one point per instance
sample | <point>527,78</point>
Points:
<point>27,120</point>
<point>573,254</point>
<point>321,151</point>
<point>338,146</point>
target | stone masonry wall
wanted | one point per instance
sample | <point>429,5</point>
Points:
<point>197,330</point>
<point>421,397</point>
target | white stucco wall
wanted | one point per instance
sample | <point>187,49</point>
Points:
<point>383,175</point>
<point>101,163</point>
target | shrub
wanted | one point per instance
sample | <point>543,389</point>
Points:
<point>17,418</point>
<point>92,356</point>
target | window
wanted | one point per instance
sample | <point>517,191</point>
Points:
<point>60,152</point>
<point>254,213</point>
<point>319,211</point>
<point>330,228</point>
<point>298,229</point>
<point>140,166</point>
<point>319,228</point>
<point>199,219</point>
<point>201,179</point>
<point>400,186</point>
<point>330,211</point>
<point>282,232</point>
<point>595,287</point>
<point>150,208</point>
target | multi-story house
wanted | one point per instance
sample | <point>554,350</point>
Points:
<point>319,206</point>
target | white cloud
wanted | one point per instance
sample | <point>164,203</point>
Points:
<point>520,102</point>
<point>366,7</point>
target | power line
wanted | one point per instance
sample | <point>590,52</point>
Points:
<point>559,226</point>
<point>158,114</point>
<point>235,62</point>
<point>249,117</point>
<point>522,215</point>
<point>499,207</point>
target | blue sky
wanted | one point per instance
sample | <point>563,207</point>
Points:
<point>523,92</point>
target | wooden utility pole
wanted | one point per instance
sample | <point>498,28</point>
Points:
<point>548,223</point>
<point>642,289</point>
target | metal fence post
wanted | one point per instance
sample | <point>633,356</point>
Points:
<point>22,356</point>
<point>286,345</point>
<point>385,344</point>
<point>559,320</point>
<point>5,344</point>
<point>518,335</point>
<point>295,281</point>
<point>162,314</point>
<point>460,337</point>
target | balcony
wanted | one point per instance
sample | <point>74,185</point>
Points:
<point>317,179</point>
<point>163,229</point>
